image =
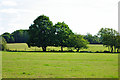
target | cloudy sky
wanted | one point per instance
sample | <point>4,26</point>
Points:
<point>82,16</point>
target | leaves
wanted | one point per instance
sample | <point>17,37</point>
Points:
<point>3,43</point>
<point>41,32</point>
<point>108,36</point>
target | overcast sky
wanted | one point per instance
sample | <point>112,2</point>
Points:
<point>82,16</point>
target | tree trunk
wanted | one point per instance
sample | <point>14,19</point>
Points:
<point>78,50</point>
<point>111,49</point>
<point>44,49</point>
<point>61,48</point>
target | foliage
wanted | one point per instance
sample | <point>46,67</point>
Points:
<point>108,37</point>
<point>92,39</point>
<point>117,43</point>
<point>62,34</point>
<point>77,42</point>
<point>2,43</point>
<point>8,37</point>
<point>41,32</point>
<point>20,36</point>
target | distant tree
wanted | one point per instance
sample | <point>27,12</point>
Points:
<point>8,37</point>
<point>92,39</point>
<point>20,36</point>
<point>2,44</point>
<point>77,41</point>
<point>89,37</point>
<point>62,34</point>
<point>41,32</point>
<point>96,40</point>
<point>108,37</point>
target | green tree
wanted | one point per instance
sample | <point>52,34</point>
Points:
<point>92,39</point>
<point>8,37</point>
<point>41,32</point>
<point>108,37</point>
<point>96,40</point>
<point>3,43</point>
<point>20,36</point>
<point>89,37</point>
<point>117,43</point>
<point>62,34</point>
<point>77,41</point>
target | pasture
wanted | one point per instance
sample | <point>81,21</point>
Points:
<point>24,47</point>
<point>58,65</point>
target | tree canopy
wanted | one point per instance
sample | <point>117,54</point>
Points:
<point>77,41</point>
<point>20,36</point>
<point>8,37</point>
<point>41,32</point>
<point>93,39</point>
<point>108,36</point>
<point>62,34</point>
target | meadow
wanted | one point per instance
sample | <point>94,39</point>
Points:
<point>58,65</point>
<point>24,47</point>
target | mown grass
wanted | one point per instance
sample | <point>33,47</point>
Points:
<point>59,65</point>
<point>24,47</point>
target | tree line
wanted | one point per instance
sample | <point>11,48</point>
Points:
<point>21,36</point>
<point>43,33</point>
<point>18,36</point>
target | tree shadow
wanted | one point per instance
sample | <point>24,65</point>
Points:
<point>65,51</point>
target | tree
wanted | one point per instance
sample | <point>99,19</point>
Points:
<point>92,39</point>
<point>96,40</point>
<point>62,34</point>
<point>77,41</point>
<point>8,37</point>
<point>108,37</point>
<point>117,43</point>
<point>20,36</point>
<point>89,37</point>
<point>3,43</point>
<point>41,32</point>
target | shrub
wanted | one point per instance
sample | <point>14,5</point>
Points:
<point>3,42</point>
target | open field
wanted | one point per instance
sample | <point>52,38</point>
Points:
<point>59,65</point>
<point>24,47</point>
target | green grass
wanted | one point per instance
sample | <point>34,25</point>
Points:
<point>96,47</point>
<point>24,47</point>
<point>58,65</point>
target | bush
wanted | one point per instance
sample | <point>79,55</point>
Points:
<point>3,43</point>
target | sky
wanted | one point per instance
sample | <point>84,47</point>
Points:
<point>82,16</point>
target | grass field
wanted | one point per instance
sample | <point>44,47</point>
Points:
<point>58,65</point>
<point>24,47</point>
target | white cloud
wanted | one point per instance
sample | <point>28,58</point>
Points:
<point>82,16</point>
<point>11,10</point>
<point>8,3</point>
